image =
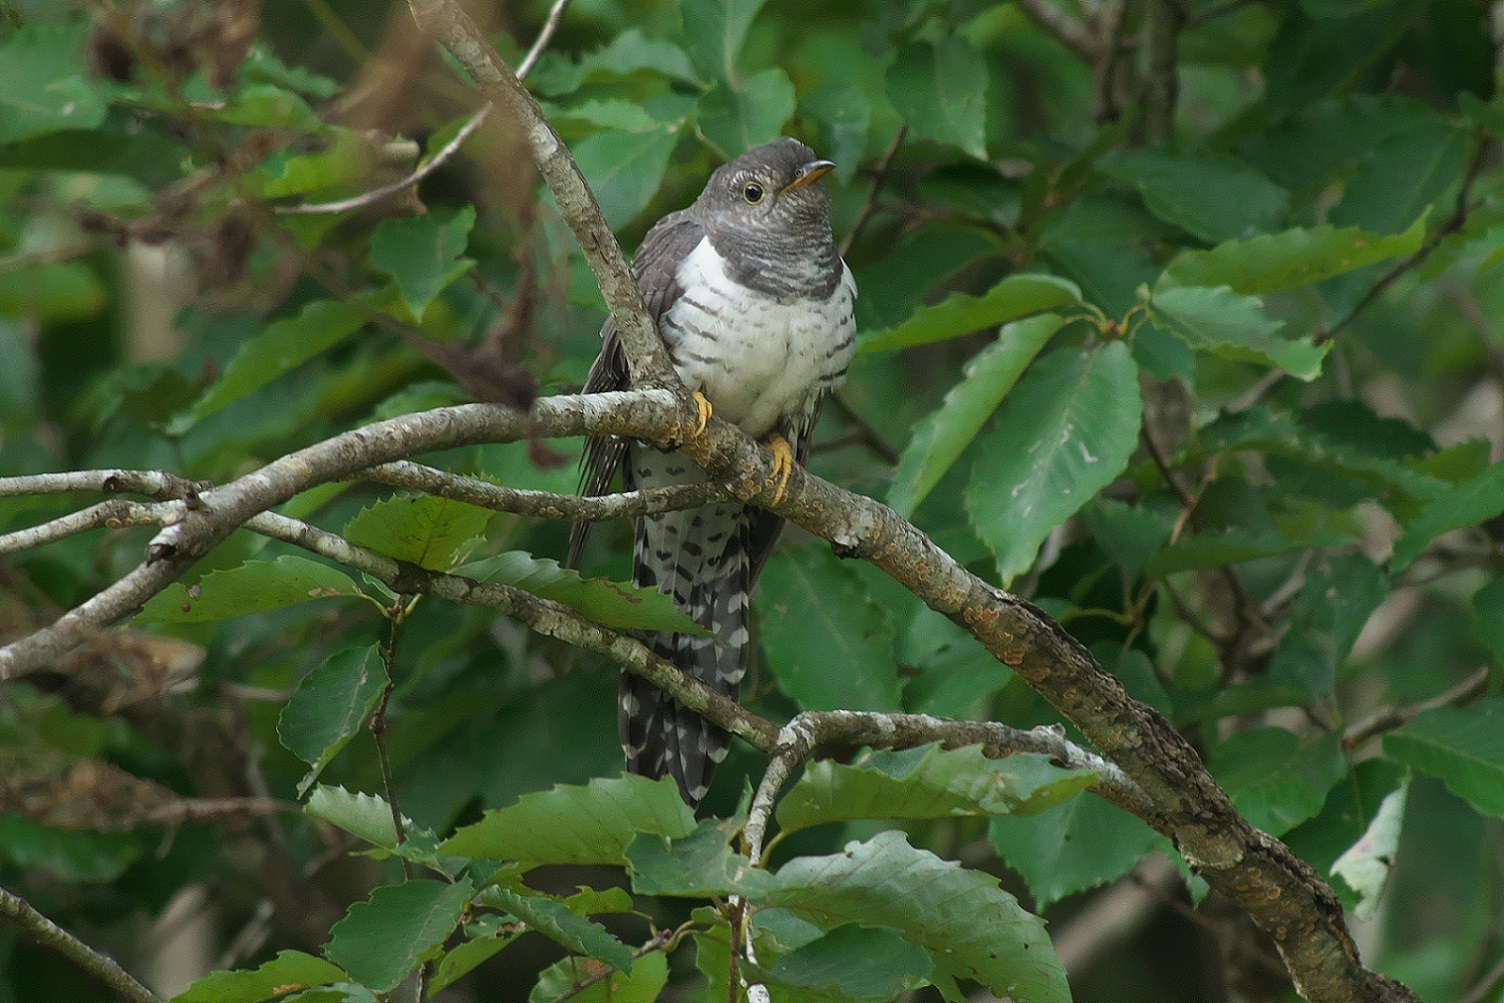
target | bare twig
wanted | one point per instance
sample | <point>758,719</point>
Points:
<point>1069,32</point>
<point>879,178</point>
<point>92,963</point>
<point>545,35</point>
<point>1389,718</point>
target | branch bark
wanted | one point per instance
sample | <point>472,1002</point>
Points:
<point>92,963</point>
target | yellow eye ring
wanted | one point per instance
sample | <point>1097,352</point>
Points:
<point>752,192</point>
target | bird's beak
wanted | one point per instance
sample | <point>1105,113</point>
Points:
<point>809,174</point>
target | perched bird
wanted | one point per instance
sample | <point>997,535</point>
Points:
<point>754,304</point>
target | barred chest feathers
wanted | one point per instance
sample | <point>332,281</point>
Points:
<point>762,360</point>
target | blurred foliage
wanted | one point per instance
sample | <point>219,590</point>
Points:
<point>1198,346</point>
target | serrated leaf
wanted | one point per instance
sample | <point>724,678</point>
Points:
<point>1084,843</point>
<point>329,707</point>
<point>421,529</point>
<point>612,604</point>
<point>625,169</point>
<point>940,90</point>
<point>927,782</point>
<point>364,815</point>
<point>1235,327</point>
<point>714,32</point>
<point>280,348</point>
<point>941,436</point>
<point>559,981</point>
<point>855,963</point>
<point>484,939</point>
<point>594,901</point>
<point>553,919</point>
<point>698,865</point>
<point>1211,196</point>
<point>382,940</point>
<point>1276,780</point>
<point>1014,297</point>
<point>735,117</point>
<point>592,824</point>
<point>1475,500</point>
<point>1289,259</point>
<point>254,587</point>
<point>970,926</point>
<point>288,971</point>
<point>1365,866</point>
<point>1463,747</point>
<point>811,601</point>
<point>1339,596</point>
<point>423,254</point>
<point>1065,432</point>
<point>45,89</point>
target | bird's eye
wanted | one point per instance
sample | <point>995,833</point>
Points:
<point>752,192</point>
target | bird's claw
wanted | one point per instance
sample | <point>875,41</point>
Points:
<point>703,406</point>
<point>783,466</point>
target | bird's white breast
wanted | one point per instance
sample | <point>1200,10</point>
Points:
<point>757,357</point>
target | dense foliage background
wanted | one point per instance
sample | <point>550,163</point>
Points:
<point>1181,318</point>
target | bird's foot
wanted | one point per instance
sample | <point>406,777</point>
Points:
<point>703,406</point>
<point>783,465</point>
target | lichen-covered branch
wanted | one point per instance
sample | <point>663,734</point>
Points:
<point>92,963</point>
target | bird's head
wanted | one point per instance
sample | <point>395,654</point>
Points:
<point>770,192</point>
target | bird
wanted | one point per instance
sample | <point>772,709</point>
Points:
<point>756,310</point>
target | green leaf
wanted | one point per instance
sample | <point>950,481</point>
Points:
<point>1488,618</point>
<point>68,854</point>
<point>1462,747</point>
<point>281,347</point>
<point>1405,174</point>
<point>856,963</point>
<point>1276,780</point>
<point>648,977</point>
<point>625,169</point>
<point>971,927</point>
<point>698,865</point>
<point>553,919</point>
<point>576,825</point>
<point>484,939</point>
<point>629,53</point>
<point>812,602</point>
<point>1339,596</point>
<point>843,108</point>
<point>337,165</point>
<point>380,941</point>
<point>714,32</point>
<point>1213,197</point>
<point>254,587</point>
<point>425,530</point>
<point>424,254</point>
<point>1232,327</point>
<point>1289,259</point>
<point>271,107</point>
<point>1065,432</point>
<point>329,707</point>
<point>45,90</point>
<point>51,290</point>
<point>613,604</point>
<point>941,436</point>
<point>1080,844</point>
<point>339,992</point>
<point>940,90</point>
<point>735,117</point>
<point>288,971</point>
<point>927,782</point>
<point>959,313</point>
<point>1475,500</point>
<point>1367,863</point>
<point>367,816</point>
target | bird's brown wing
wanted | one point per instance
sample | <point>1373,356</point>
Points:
<point>655,267</point>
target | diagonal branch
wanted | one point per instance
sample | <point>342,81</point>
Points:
<point>97,966</point>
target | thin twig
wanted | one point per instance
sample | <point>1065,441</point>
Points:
<point>102,969</point>
<point>1387,719</point>
<point>1069,32</point>
<point>879,178</point>
<point>545,35</point>
<point>395,615</point>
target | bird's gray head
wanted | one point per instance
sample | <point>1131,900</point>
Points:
<point>769,218</point>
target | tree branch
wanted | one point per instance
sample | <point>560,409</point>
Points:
<point>92,963</point>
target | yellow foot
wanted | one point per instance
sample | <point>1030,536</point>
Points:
<point>705,411</point>
<point>783,465</point>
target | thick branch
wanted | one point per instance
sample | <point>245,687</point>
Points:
<point>97,966</point>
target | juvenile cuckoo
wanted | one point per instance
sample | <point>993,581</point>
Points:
<point>754,304</point>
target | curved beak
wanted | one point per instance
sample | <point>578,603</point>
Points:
<point>808,175</point>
